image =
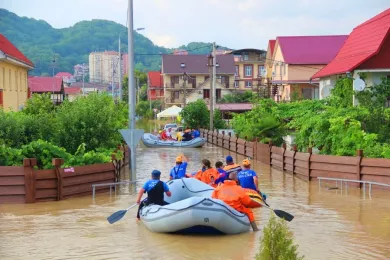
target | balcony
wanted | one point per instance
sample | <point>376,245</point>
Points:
<point>250,58</point>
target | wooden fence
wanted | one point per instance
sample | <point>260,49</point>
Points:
<point>306,165</point>
<point>25,184</point>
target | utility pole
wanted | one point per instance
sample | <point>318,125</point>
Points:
<point>184,89</point>
<point>212,87</point>
<point>120,71</point>
<point>210,64</point>
<point>112,78</point>
<point>53,67</point>
<point>137,89</point>
<point>130,51</point>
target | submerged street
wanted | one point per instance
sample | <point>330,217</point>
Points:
<point>328,224</point>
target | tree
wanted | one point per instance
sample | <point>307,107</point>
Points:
<point>246,97</point>
<point>196,114</point>
<point>277,242</point>
<point>143,109</point>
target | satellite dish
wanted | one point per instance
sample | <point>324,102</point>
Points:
<point>359,84</point>
<point>325,92</point>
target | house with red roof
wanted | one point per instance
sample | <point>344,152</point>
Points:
<point>52,85</point>
<point>367,50</point>
<point>270,53</point>
<point>66,77</point>
<point>14,67</point>
<point>155,85</point>
<point>296,59</point>
<point>71,93</point>
<point>186,78</point>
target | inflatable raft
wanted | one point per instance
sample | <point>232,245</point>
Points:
<point>150,140</point>
<point>195,215</point>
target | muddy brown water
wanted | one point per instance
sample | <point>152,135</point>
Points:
<point>328,224</point>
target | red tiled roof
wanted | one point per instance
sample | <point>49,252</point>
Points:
<point>63,74</point>
<point>72,90</point>
<point>364,42</point>
<point>271,44</point>
<point>310,49</point>
<point>155,79</point>
<point>45,84</point>
<point>233,106</point>
<point>196,64</point>
<point>10,50</point>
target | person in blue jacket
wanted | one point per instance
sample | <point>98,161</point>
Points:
<point>155,190</point>
<point>179,171</point>
<point>247,177</point>
<point>196,133</point>
<point>222,173</point>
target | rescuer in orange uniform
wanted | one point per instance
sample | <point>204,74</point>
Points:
<point>236,197</point>
<point>207,174</point>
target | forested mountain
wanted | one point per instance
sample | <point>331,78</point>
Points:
<point>38,40</point>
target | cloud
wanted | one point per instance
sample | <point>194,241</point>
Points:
<point>163,40</point>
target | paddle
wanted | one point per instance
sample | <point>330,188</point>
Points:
<point>280,213</point>
<point>119,214</point>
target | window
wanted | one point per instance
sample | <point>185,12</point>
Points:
<point>206,93</point>
<point>248,84</point>
<point>1,98</point>
<point>176,79</point>
<point>307,93</point>
<point>9,79</point>
<point>236,83</point>
<point>261,68</point>
<point>237,71</point>
<point>177,95</point>
<point>245,55</point>
<point>218,93</point>
<point>248,70</point>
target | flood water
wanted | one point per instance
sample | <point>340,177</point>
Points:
<point>328,224</point>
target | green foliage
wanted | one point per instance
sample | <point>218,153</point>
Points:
<point>277,242</point>
<point>218,121</point>
<point>342,93</point>
<point>39,41</point>
<point>196,114</point>
<point>246,97</point>
<point>39,104</point>
<point>93,120</point>
<point>143,109</point>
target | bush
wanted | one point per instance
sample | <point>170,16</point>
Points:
<point>277,242</point>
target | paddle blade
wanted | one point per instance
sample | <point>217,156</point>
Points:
<point>116,216</point>
<point>284,215</point>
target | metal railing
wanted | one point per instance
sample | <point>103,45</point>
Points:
<point>346,181</point>
<point>112,184</point>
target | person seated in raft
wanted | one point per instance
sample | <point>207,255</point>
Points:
<point>222,173</point>
<point>236,197</point>
<point>231,166</point>
<point>179,171</point>
<point>187,135</point>
<point>207,174</point>
<point>196,133</point>
<point>169,134</point>
<point>179,135</point>
<point>248,178</point>
<point>164,135</point>
<point>155,189</point>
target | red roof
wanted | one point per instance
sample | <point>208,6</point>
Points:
<point>310,49</point>
<point>63,74</point>
<point>155,79</point>
<point>364,42</point>
<point>45,84</point>
<point>72,90</point>
<point>271,44</point>
<point>10,50</point>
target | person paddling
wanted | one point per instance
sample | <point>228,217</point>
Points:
<point>155,189</point>
<point>179,171</point>
<point>247,177</point>
<point>222,173</point>
<point>236,197</point>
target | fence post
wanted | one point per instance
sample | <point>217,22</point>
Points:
<point>270,152</point>
<point>29,180</point>
<point>284,151</point>
<point>359,154</point>
<point>295,149</point>
<point>310,151</point>
<point>57,162</point>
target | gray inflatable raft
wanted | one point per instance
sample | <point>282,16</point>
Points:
<point>191,210</point>
<point>150,140</point>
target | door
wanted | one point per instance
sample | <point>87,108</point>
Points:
<point>1,98</point>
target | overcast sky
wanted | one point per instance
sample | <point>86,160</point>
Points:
<point>232,23</point>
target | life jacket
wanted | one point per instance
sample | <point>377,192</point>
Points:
<point>164,136</point>
<point>232,168</point>
<point>208,176</point>
<point>232,194</point>
<point>156,195</point>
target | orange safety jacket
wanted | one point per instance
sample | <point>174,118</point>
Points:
<point>209,176</point>
<point>235,196</point>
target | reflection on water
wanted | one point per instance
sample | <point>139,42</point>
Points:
<point>327,224</point>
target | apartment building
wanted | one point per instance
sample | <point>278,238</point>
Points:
<point>104,67</point>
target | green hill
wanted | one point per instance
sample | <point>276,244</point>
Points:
<point>38,40</point>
